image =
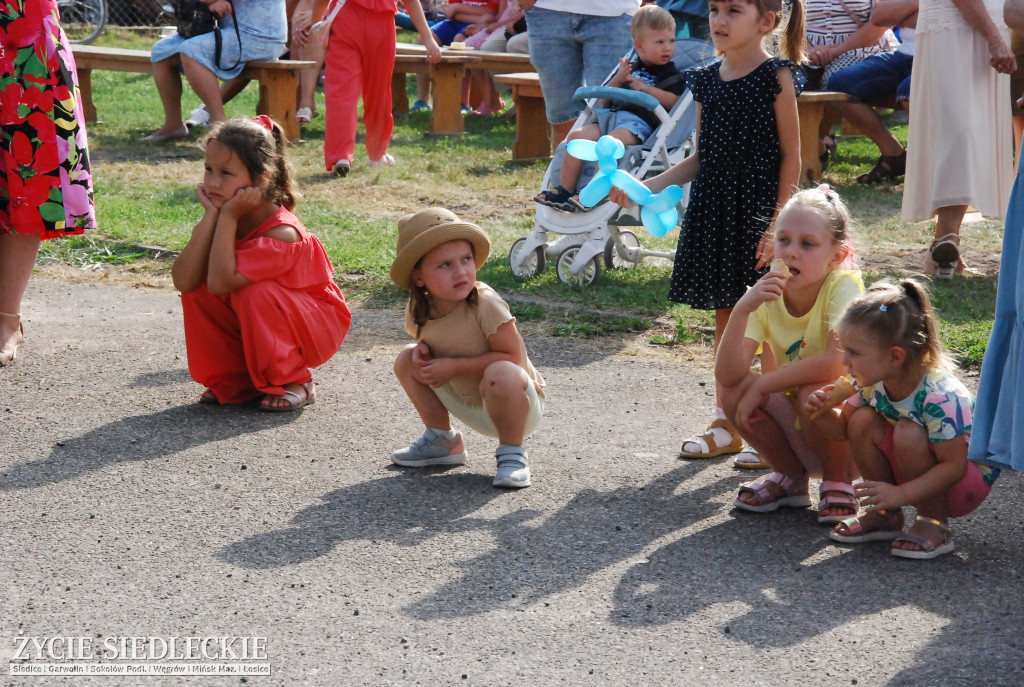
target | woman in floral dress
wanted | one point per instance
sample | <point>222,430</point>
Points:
<point>45,179</point>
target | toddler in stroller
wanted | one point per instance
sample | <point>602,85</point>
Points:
<point>591,238</point>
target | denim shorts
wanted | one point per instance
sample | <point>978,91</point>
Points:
<point>875,77</point>
<point>631,122</point>
<point>447,30</point>
<point>573,50</point>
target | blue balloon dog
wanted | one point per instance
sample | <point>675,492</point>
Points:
<point>658,210</point>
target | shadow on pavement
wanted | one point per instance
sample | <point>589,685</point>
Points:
<point>432,504</point>
<point>140,437</point>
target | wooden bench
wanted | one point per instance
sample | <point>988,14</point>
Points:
<point>278,80</point>
<point>446,80</point>
<point>533,131</point>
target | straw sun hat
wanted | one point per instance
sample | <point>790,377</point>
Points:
<point>421,232</point>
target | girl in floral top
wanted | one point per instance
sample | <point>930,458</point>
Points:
<point>911,423</point>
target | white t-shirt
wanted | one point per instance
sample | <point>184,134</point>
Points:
<point>598,8</point>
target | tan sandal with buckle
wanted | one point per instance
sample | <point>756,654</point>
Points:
<point>709,448</point>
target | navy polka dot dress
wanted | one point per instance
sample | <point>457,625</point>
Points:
<point>733,197</point>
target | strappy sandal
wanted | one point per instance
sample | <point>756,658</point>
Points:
<point>928,550</point>
<point>9,355</point>
<point>560,199</point>
<point>946,256</point>
<point>839,494</point>
<point>887,167</point>
<point>294,402</point>
<point>304,115</point>
<point>858,530</point>
<point>749,459</point>
<point>709,448</point>
<point>794,494</point>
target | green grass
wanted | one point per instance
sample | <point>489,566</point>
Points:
<point>146,195</point>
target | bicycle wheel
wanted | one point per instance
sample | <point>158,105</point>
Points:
<point>82,20</point>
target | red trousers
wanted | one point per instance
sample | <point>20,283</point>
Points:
<point>360,58</point>
<point>261,337</point>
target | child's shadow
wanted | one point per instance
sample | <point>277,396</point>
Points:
<point>593,531</point>
<point>407,509</point>
<point>794,586</point>
<point>139,437</point>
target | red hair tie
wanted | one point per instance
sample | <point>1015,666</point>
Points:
<point>264,121</point>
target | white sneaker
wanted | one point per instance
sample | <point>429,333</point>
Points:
<point>386,161</point>
<point>199,117</point>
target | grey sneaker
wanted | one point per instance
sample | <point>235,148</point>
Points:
<point>513,470</point>
<point>436,451</point>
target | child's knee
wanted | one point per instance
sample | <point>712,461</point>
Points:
<point>626,136</point>
<point>403,363</point>
<point>503,378</point>
<point>590,132</point>
<point>909,436</point>
<point>866,424</point>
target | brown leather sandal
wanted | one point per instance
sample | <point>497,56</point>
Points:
<point>887,167</point>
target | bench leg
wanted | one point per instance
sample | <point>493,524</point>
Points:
<point>85,93</point>
<point>532,129</point>
<point>277,99</point>
<point>446,117</point>
<point>810,115</point>
<point>399,98</point>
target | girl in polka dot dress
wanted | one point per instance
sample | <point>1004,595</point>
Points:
<point>746,167</point>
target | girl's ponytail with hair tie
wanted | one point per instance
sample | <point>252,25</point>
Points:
<point>830,195</point>
<point>264,121</point>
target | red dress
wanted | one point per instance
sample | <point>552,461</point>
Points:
<point>269,333</point>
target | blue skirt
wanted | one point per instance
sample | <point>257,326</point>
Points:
<point>997,437</point>
<point>203,49</point>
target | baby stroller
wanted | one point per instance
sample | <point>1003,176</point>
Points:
<point>593,237</point>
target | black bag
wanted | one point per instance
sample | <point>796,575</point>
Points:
<point>195,19</point>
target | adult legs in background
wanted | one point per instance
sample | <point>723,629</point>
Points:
<point>17,259</point>
<point>168,85</point>
<point>568,51</point>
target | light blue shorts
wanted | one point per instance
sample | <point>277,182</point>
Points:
<point>477,418</point>
<point>632,123</point>
<point>573,50</point>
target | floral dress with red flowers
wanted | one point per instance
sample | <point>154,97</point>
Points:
<point>45,179</point>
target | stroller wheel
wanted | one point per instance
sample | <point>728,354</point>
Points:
<point>587,276</point>
<point>613,259</point>
<point>526,266</point>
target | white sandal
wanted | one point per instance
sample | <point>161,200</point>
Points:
<point>304,115</point>
<point>749,459</point>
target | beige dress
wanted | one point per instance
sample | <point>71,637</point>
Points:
<point>960,146</point>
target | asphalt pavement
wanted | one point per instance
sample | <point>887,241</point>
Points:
<point>129,510</point>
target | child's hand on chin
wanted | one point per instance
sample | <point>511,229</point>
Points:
<point>204,199</point>
<point>243,202</point>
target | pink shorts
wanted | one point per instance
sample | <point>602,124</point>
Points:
<point>962,498</point>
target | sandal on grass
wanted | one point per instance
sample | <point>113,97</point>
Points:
<point>945,253</point>
<point>887,167</point>
<point>304,115</point>
<point>707,445</point>
<point>560,199</point>
<point>839,494</point>
<point>869,527</point>
<point>749,459</point>
<point>294,400</point>
<point>928,550</point>
<point>788,492</point>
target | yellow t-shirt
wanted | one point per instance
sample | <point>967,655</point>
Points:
<point>463,333</point>
<point>795,338</point>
